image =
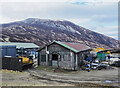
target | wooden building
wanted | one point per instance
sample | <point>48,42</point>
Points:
<point>63,54</point>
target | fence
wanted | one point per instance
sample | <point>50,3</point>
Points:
<point>12,63</point>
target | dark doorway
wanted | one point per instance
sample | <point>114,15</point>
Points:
<point>55,57</point>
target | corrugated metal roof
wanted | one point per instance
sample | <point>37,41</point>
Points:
<point>67,46</point>
<point>76,47</point>
<point>20,45</point>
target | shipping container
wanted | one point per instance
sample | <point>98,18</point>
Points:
<point>101,56</point>
<point>9,50</point>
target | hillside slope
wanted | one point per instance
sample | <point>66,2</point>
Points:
<point>42,31</point>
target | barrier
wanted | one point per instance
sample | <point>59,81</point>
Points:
<point>10,63</point>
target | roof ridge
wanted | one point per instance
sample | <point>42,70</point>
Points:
<point>74,42</point>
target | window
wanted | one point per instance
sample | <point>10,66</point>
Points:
<point>43,58</point>
<point>66,57</point>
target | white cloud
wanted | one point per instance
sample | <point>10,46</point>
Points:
<point>105,18</point>
<point>115,37</point>
<point>80,20</point>
<point>111,31</point>
<point>60,0</point>
<point>94,0</point>
<point>34,0</point>
<point>99,16</point>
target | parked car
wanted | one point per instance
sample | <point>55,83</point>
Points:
<point>112,60</point>
<point>99,66</point>
<point>103,66</point>
<point>94,65</point>
<point>117,63</point>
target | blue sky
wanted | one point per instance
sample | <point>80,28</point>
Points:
<point>97,15</point>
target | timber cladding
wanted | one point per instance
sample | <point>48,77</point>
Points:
<point>58,56</point>
<point>63,55</point>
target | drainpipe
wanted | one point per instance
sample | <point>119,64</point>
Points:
<point>38,58</point>
<point>46,56</point>
<point>76,61</point>
<point>71,59</point>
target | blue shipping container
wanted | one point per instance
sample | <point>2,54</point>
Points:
<point>9,50</point>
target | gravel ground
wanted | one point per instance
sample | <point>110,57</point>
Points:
<point>102,77</point>
<point>94,78</point>
<point>14,78</point>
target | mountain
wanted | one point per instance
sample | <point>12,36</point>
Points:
<point>42,31</point>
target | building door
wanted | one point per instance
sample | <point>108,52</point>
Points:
<point>55,59</point>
